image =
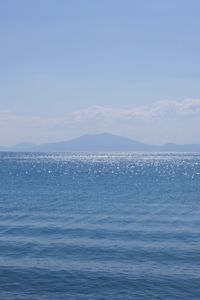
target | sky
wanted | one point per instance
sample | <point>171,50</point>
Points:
<point>73,67</point>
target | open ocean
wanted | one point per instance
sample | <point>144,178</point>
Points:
<point>99,226</point>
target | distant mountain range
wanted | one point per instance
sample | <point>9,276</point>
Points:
<point>104,142</point>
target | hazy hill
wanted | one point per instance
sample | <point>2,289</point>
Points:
<point>96,142</point>
<point>104,142</point>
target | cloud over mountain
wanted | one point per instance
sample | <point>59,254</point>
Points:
<point>159,122</point>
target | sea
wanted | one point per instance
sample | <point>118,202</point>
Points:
<point>99,226</point>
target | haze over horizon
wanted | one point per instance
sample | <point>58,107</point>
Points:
<point>70,68</point>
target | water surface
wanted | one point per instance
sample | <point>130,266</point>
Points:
<point>99,226</point>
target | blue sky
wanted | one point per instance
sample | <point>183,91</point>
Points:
<point>98,60</point>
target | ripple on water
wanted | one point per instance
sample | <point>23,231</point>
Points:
<point>99,226</point>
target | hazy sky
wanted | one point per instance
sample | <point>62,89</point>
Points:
<point>70,67</point>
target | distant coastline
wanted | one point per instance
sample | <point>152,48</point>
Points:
<point>104,142</point>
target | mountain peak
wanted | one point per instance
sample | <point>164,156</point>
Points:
<point>102,142</point>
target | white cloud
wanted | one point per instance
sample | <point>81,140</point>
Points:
<point>174,108</point>
<point>164,108</point>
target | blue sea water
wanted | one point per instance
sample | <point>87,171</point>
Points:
<point>99,226</point>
